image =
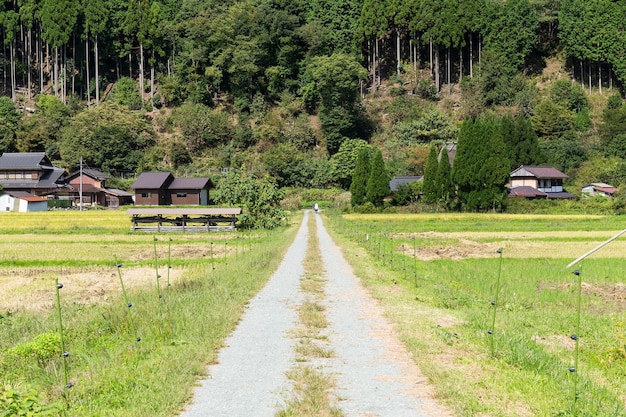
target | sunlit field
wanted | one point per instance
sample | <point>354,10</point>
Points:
<point>554,342</point>
<point>139,314</point>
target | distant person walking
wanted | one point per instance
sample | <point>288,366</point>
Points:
<point>316,208</point>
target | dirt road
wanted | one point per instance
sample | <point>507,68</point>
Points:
<point>373,373</point>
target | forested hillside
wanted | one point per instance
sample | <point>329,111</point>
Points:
<point>297,88</point>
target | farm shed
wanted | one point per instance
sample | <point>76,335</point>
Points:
<point>184,219</point>
<point>31,172</point>
<point>190,191</point>
<point>151,188</point>
<point>599,189</point>
<point>161,188</point>
<point>23,202</point>
<point>538,182</point>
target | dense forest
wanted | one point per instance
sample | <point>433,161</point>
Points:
<point>297,89</point>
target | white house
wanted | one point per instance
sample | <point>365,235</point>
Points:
<point>21,201</point>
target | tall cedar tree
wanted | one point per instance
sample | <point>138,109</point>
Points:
<point>378,182</point>
<point>443,180</point>
<point>522,144</point>
<point>430,174</point>
<point>360,177</point>
<point>481,168</point>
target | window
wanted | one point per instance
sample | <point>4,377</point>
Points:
<point>146,195</point>
<point>181,195</point>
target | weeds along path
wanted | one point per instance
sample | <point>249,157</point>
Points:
<point>375,375</point>
<point>250,376</point>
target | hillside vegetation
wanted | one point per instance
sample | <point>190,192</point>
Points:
<point>295,89</point>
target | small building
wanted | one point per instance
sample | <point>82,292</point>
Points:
<point>599,189</point>
<point>190,191</point>
<point>22,202</point>
<point>397,182</point>
<point>538,182</point>
<point>31,172</point>
<point>91,184</point>
<point>151,188</point>
<point>161,188</point>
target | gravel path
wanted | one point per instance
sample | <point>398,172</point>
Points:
<point>374,374</point>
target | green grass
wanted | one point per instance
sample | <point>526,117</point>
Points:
<point>442,308</point>
<point>112,373</point>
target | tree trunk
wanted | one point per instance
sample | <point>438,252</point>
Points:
<point>600,78</point>
<point>589,76</point>
<point>152,79</point>
<point>141,68</point>
<point>430,46</point>
<point>436,66</point>
<point>56,72</point>
<point>398,51</point>
<point>471,55</point>
<point>29,60</point>
<point>582,75</point>
<point>448,70</point>
<point>87,70</point>
<point>378,80</point>
<point>96,69</point>
<point>13,75</point>
<point>460,64</point>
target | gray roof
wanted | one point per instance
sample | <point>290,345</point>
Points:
<point>24,160</point>
<point>118,193</point>
<point>90,172</point>
<point>152,180</point>
<point>214,211</point>
<point>398,181</point>
<point>538,172</point>
<point>190,183</point>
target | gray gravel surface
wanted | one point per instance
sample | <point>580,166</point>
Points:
<point>374,374</point>
<point>249,379</point>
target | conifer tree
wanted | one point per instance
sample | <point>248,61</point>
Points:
<point>378,182</point>
<point>360,177</point>
<point>430,174</point>
<point>481,168</point>
<point>443,180</point>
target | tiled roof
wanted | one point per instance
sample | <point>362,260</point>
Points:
<point>151,180</point>
<point>538,172</point>
<point>526,192</point>
<point>189,183</point>
<point>24,160</point>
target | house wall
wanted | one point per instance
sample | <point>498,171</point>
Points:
<point>33,206</point>
<point>524,182</point>
<point>148,197</point>
<point>6,203</point>
<point>185,197</point>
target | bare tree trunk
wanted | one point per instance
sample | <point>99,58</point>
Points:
<point>41,60</point>
<point>73,64</point>
<point>87,70</point>
<point>589,75</point>
<point>141,69</point>
<point>471,55</point>
<point>437,76</point>
<point>13,75</point>
<point>430,45</point>
<point>398,51</point>
<point>29,59</point>
<point>460,64</point>
<point>152,80</point>
<point>96,67</point>
<point>582,75</point>
<point>378,80</point>
<point>600,78</point>
<point>448,70</point>
<point>56,72</point>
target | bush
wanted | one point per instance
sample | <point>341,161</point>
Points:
<point>30,403</point>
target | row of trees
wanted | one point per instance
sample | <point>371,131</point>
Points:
<point>248,47</point>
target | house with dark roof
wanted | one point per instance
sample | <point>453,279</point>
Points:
<point>397,182</point>
<point>161,188</point>
<point>533,182</point>
<point>31,172</point>
<point>91,185</point>
<point>599,189</point>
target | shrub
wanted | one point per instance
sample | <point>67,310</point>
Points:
<point>30,403</point>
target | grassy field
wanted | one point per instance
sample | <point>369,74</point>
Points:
<point>186,291</point>
<point>553,344</point>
